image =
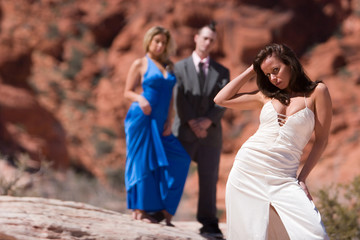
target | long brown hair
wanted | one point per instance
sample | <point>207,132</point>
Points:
<point>299,81</point>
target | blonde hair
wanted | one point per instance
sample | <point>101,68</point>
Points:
<point>170,43</point>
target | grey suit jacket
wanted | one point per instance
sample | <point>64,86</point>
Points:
<point>192,102</point>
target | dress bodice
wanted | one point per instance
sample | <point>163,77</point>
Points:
<point>295,132</point>
<point>157,88</point>
<point>280,145</point>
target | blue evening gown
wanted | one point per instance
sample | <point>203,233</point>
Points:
<point>156,165</point>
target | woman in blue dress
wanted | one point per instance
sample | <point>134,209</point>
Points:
<point>156,163</point>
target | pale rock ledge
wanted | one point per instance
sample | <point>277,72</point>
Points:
<point>28,218</point>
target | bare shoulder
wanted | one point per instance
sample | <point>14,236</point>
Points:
<point>261,97</point>
<point>139,65</point>
<point>321,88</point>
<point>321,97</point>
<point>321,91</point>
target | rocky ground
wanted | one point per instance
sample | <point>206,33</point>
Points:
<point>37,218</point>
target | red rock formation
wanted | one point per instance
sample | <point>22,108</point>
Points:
<point>63,66</point>
<point>31,127</point>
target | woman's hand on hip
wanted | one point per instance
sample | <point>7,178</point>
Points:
<point>306,190</point>
<point>144,105</point>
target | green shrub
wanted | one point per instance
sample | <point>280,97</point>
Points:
<point>103,139</point>
<point>53,31</point>
<point>74,64</point>
<point>12,185</point>
<point>340,210</point>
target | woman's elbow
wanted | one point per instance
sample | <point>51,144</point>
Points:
<point>322,143</point>
<point>218,101</point>
<point>325,143</point>
<point>127,95</point>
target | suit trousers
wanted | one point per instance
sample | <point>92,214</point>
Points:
<point>207,158</point>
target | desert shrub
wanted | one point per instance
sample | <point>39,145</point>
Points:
<point>53,31</point>
<point>103,140</point>
<point>115,177</point>
<point>70,185</point>
<point>12,185</point>
<point>74,64</point>
<point>340,210</point>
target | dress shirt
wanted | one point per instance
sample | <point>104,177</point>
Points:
<point>197,60</point>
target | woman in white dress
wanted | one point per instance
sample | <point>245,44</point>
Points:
<point>264,173</point>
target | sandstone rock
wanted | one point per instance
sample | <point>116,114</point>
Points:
<point>37,218</point>
<point>40,134</point>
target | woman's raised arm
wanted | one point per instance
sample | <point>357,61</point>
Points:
<point>231,97</point>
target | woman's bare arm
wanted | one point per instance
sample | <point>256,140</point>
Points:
<point>231,97</point>
<point>323,115</point>
<point>132,81</point>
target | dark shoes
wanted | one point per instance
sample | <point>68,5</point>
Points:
<point>158,216</point>
<point>162,215</point>
<point>211,231</point>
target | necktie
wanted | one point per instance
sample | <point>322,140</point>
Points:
<point>201,76</point>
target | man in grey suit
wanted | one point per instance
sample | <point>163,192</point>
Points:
<point>197,122</point>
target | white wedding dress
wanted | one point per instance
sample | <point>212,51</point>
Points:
<point>264,174</point>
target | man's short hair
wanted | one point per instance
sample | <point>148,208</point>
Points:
<point>211,26</point>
